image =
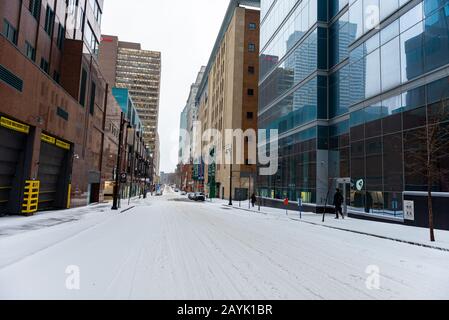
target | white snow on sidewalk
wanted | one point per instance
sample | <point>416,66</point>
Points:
<point>382,229</point>
<point>165,249</point>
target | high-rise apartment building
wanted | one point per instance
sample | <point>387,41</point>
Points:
<point>227,99</point>
<point>353,86</point>
<point>126,65</point>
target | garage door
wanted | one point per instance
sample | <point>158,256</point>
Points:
<point>12,154</point>
<point>52,175</point>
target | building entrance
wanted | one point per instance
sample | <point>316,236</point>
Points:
<point>344,184</point>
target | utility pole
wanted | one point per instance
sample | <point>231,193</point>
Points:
<point>230,178</point>
<point>249,192</point>
<point>133,159</point>
<point>230,186</point>
<point>119,161</point>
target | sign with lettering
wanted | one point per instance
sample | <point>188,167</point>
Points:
<point>409,210</point>
<point>14,125</point>
<point>62,144</point>
<point>48,139</point>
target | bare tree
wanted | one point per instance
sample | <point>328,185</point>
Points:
<point>428,154</point>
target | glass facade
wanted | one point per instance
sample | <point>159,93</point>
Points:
<point>353,87</point>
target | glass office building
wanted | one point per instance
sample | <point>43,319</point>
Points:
<point>353,86</point>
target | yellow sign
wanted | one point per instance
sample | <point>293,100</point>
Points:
<point>13,125</point>
<point>62,144</point>
<point>48,139</point>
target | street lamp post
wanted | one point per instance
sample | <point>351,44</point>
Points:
<point>133,159</point>
<point>118,167</point>
<point>229,150</point>
<point>230,185</point>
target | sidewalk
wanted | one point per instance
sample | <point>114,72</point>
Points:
<point>394,232</point>
<point>11,225</point>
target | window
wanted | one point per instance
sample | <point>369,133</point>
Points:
<point>60,39</point>
<point>35,8</point>
<point>56,76</point>
<point>45,65</point>
<point>250,92</point>
<point>62,113</point>
<point>250,115</point>
<point>251,70</point>
<point>9,32</point>
<point>93,93</point>
<point>11,79</point>
<point>30,51</point>
<point>252,26</point>
<point>82,100</point>
<point>49,20</point>
<point>96,10</point>
<point>92,40</point>
<point>251,47</point>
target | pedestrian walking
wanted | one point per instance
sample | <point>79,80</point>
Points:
<point>253,200</point>
<point>338,201</point>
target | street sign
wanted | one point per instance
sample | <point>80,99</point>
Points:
<point>360,184</point>
<point>409,210</point>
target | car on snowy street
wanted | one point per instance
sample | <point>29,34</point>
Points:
<point>199,196</point>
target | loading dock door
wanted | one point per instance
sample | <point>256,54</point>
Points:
<point>51,174</point>
<point>12,154</point>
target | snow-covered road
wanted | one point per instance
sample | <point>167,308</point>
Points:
<point>169,248</point>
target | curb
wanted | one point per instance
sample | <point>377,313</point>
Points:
<point>127,209</point>
<point>428,246</point>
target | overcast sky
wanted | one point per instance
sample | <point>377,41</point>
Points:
<point>185,32</point>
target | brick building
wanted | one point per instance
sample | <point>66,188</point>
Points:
<point>53,102</point>
<point>227,98</point>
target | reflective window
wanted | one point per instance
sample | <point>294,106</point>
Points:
<point>339,98</point>
<point>295,68</point>
<point>391,64</point>
<point>392,159</point>
<point>335,7</point>
<point>339,40</point>
<point>289,34</point>
<point>372,74</point>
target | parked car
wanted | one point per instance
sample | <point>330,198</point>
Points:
<point>183,193</point>
<point>159,192</point>
<point>199,196</point>
<point>191,196</point>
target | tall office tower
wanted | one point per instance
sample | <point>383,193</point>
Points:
<point>353,86</point>
<point>52,103</point>
<point>126,65</point>
<point>189,116</point>
<point>227,99</point>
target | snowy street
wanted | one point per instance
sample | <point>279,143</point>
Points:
<point>171,248</point>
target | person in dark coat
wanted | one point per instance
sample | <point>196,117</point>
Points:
<point>338,201</point>
<point>253,200</point>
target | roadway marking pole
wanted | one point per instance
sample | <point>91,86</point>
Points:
<point>300,208</point>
